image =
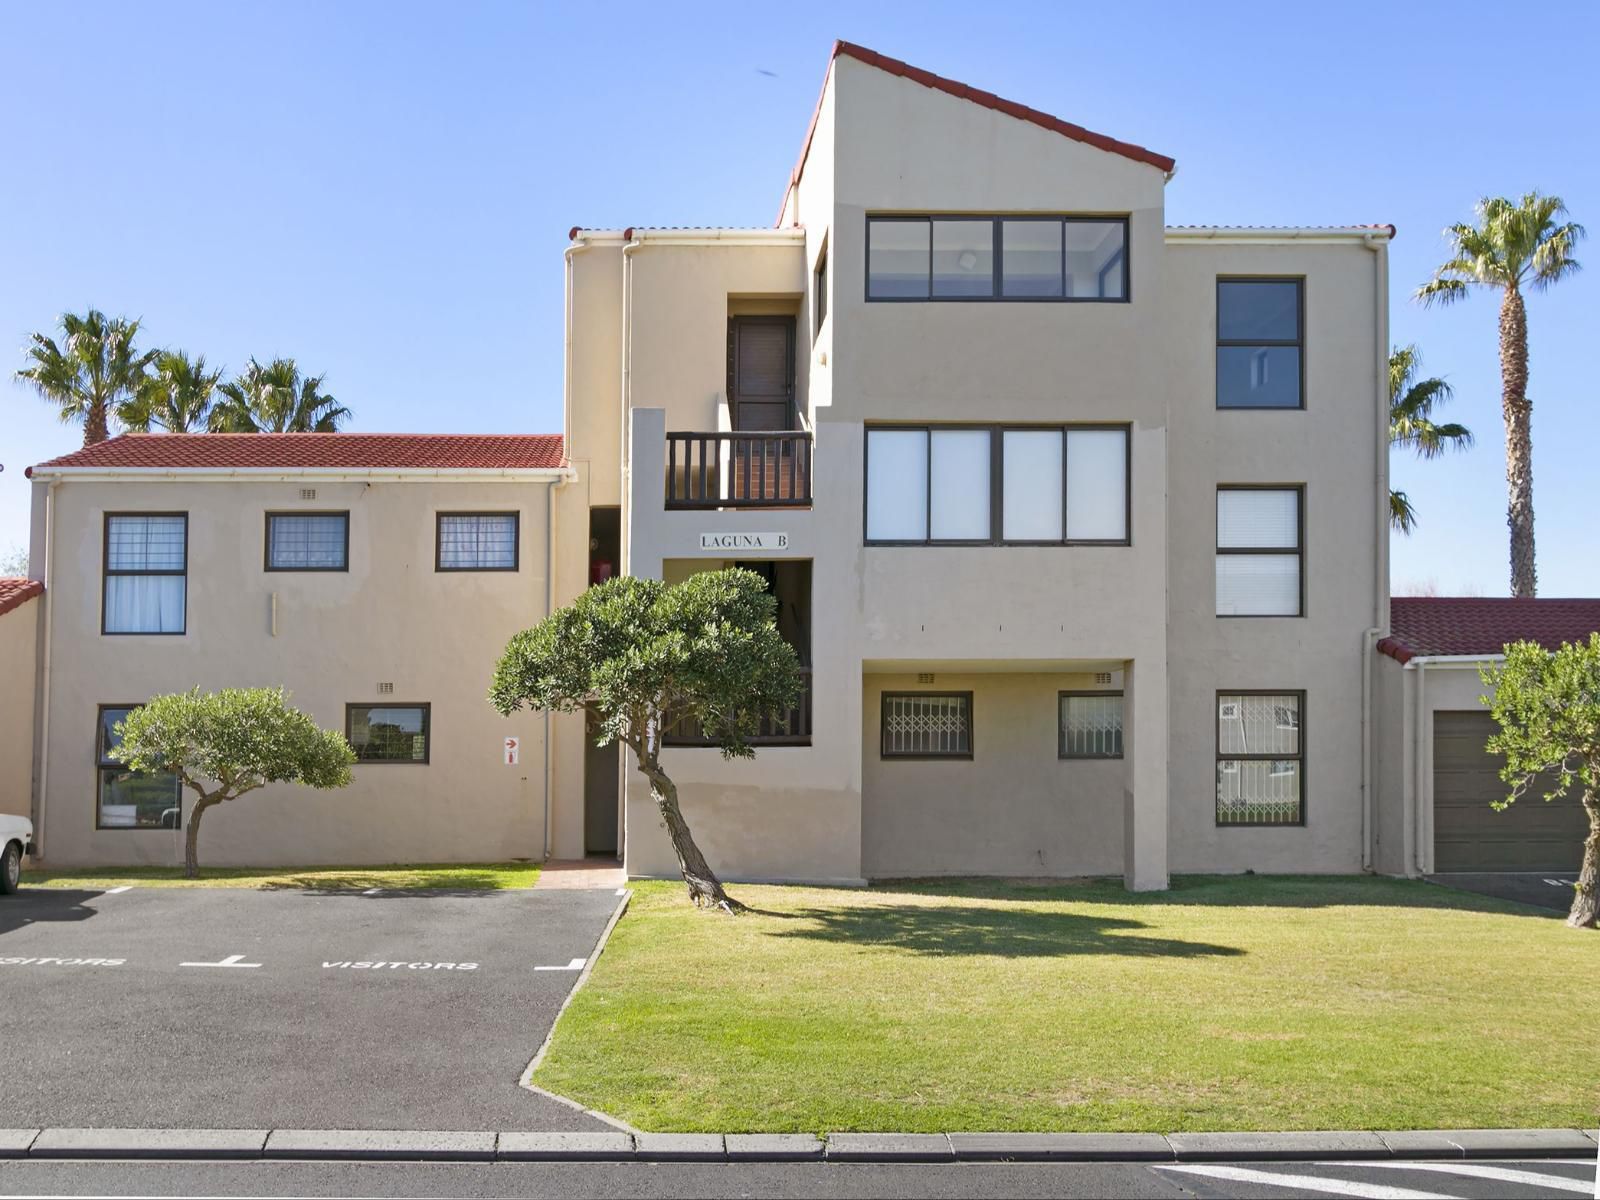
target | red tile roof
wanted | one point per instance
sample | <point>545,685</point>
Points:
<point>987,99</point>
<point>298,451</point>
<point>15,591</point>
<point>1472,625</point>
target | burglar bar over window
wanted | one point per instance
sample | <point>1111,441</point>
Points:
<point>739,470</point>
<point>927,725</point>
<point>788,729</point>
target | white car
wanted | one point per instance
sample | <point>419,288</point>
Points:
<point>16,833</point>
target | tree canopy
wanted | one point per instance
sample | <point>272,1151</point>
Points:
<point>276,398</point>
<point>1547,704</point>
<point>90,372</point>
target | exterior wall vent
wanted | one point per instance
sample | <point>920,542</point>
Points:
<point>386,689</point>
<point>1103,678</point>
<point>925,677</point>
<point>308,493</point>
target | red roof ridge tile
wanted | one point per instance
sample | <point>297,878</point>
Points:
<point>313,451</point>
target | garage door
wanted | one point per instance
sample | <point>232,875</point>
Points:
<point>1468,835</point>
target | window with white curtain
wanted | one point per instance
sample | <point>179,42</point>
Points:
<point>308,541</point>
<point>1054,485</point>
<point>146,573</point>
<point>1259,552</point>
<point>477,542</point>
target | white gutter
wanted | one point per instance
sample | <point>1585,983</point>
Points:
<point>1273,234</point>
<point>1452,660</point>
<point>580,243</point>
<point>1377,243</point>
<point>549,607</point>
<point>624,402</point>
<point>1421,793</point>
<point>44,690</point>
<point>270,474</point>
<point>792,235</point>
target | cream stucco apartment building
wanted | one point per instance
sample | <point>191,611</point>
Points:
<point>1076,520</point>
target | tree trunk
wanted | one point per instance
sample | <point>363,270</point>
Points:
<point>705,889</point>
<point>94,424</point>
<point>1517,411</point>
<point>191,841</point>
<point>1585,912</point>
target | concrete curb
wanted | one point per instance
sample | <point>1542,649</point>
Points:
<point>378,1145</point>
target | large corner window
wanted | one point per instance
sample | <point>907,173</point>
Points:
<point>476,542</point>
<point>146,573</point>
<point>927,725</point>
<point>130,799</point>
<point>1090,725</point>
<point>388,733</point>
<point>308,541</point>
<point>979,257</point>
<point>1260,758</point>
<point>1260,548</point>
<point>1260,343</point>
<point>989,485</point>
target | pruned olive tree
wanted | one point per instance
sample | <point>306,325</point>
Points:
<point>641,657</point>
<point>224,744</point>
<point>1547,704</point>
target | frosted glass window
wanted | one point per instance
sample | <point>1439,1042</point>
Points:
<point>1258,519</point>
<point>1097,485</point>
<point>963,258</point>
<point>1032,485</point>
<point>897,259</point>
<point>897,485</point>
<point>960,485</point>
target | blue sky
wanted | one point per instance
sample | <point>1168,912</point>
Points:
<point>383,190</point>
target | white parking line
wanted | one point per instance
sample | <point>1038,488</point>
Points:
<point>117,891</point>
<point>233,960</point>
<point>1306,1183</point>
<point>1559,1183</point>
<point>575,965</point>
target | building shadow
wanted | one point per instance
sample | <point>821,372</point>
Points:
<point>40,906</point>
<point>979,930</point>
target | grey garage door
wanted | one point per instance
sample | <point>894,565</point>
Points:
<point>1468,835</point>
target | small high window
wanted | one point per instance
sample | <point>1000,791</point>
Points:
<point>975,257</point>
<point>308,541</point>
<point>927,725</point>
<point>1260,758</point>
<point>1260,343</point>
<point>1259,552</point>
<point>130,799</point>
<point>388,733</point>
<point>146,573</point>
<point>476,542</point>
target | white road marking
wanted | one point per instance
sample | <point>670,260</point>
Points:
<point>622,891</point>
<point>117,891</point>
<point>1305,1183</point>
<point>1484,1171</point>
<point>575,965</point>
<point>233,960</point>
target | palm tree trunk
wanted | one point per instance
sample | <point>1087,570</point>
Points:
<point>705,889</point>
<point>1585,912</point>
<point>1519,441</point>
<point>94,424</point>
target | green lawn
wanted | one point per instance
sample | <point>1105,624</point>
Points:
<point>1238,1003</point>
<point>405,876</point>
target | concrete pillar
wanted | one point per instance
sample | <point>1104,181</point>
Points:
<point>1144,749</point>
<point>645,510</point>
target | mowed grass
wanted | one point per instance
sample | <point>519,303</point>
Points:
<point>1224,1004</point>
<point>400,877</point>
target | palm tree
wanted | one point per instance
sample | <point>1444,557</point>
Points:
<point>1515,244</point>
<point>177,397</point>
<point>93,371</point>
<point>1411,423</point>
<point>275,399</point>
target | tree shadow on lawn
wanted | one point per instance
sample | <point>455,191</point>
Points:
<point>1223,891</point>
<point>973,930</point>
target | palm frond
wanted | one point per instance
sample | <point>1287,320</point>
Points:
<point>1441,292</point>
<point>1401,515</point>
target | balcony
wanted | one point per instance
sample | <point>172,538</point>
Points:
<point>754,469</point>
<point>791,729</point>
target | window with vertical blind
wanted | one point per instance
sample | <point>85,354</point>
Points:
<point>1260,758</point>
<point>308,541</point>
<point>476,542</point>
<point>1091,725</point>
<point>146,563</point>
<point>927,725</point>
<point>1260,551</point>
<point>990,485</point>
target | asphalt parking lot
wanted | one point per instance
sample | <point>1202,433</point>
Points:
<point>217,1008</point>
<point>1542,889</point>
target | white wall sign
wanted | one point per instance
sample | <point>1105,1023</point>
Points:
<point>513,751</point>
<point>744,541</point>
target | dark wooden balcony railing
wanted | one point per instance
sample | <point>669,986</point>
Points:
<point>757,469</point>
<point>791,729</point>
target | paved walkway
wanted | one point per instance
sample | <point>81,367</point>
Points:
<point>576,873</point>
